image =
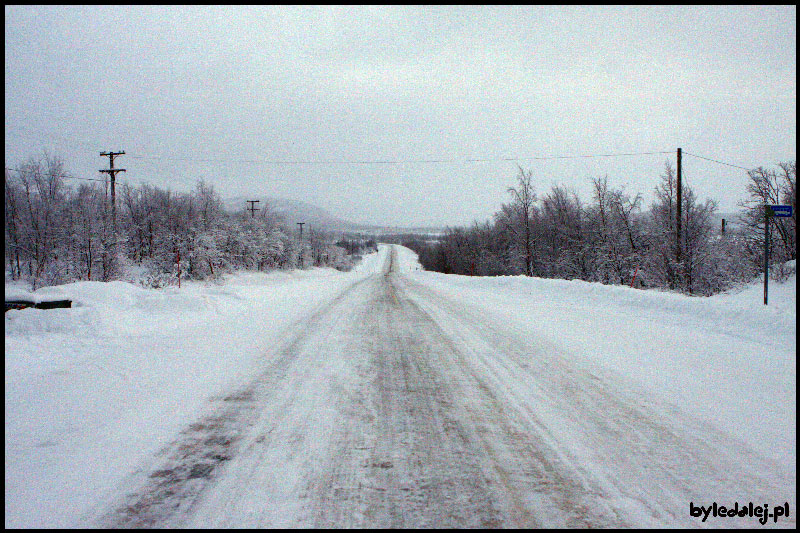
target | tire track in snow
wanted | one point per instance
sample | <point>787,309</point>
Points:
<point>408,462</point>
<point>167,493</point>
<point>448,452</point>
<point>641,460</point>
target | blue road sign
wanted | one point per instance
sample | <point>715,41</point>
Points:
<point>781,210</point>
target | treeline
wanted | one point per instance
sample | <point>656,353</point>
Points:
<point>357,245</point>
<point>56,233</point>
<point>613,240</point>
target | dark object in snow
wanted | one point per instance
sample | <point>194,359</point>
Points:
<point>22,304</point>
<point>18,304</point>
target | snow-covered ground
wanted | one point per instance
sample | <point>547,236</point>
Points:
<point>92,392</point>
<point>727,358</point>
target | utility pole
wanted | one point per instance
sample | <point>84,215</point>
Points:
<point>678,218</point>
<point>767,213</point>
<point>252,208</point>
<point>771,211</point>
<point>113,173</point>
<point>301,243</point>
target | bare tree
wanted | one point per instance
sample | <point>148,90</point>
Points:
<point>518,216</point>
<point>42,212</point>
<point>697,243</point>
<point>769,187</point>
<point>615,233</point>
<point>691,274</point>
<point>662,231</point>
<point>562,233</point>
<point>88,231</point>
<point>14,226</point>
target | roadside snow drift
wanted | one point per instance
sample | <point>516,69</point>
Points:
<point>727,358</point>
<point>93,390</point>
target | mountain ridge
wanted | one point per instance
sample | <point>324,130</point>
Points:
<point>293,211</point>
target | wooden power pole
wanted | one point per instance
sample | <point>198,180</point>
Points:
<point>252,207</point>
<point>678,217</point>
<point>113,173</point>
<point>301,243</point>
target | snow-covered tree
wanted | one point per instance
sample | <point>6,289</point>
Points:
<point>519,218</point>
<point>614,234</point>
<point>662,265</point>
<point>771,187</point>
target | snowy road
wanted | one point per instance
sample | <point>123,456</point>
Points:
<point>395,406</point>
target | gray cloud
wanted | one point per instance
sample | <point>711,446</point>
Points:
<point>182,84</point>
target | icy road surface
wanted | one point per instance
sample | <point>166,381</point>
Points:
<point>394,406</point>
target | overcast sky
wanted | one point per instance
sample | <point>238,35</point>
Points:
<point>219,93</point>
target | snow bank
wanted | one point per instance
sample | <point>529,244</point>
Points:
<point>727,359</point>
<point>407,260</point>
<point>93,390</point>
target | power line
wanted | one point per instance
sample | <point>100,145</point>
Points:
<point>568,156</point>
<point>85,179</point>
<point>374,161</point>
<point>69,177</point>
<point>65,176</point>
<point>715,161</point>
<point>394,161</point>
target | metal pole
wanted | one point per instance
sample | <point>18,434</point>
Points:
<point>679,191</point>
<point>766,252</point>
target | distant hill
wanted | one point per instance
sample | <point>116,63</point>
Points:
<point>293,211</point>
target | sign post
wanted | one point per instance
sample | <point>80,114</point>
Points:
<point>770,211</point>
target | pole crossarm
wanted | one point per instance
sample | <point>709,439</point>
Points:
<point>111,171</point>
<point>252,207</point>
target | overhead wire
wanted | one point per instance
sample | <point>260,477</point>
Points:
<point>65,176</point>
<point>391,161</point>
<point>395,161</point>
<point>716,161</point>
<point>130,179</point>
